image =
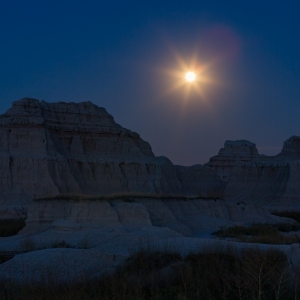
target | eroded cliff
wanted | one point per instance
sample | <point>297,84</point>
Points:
<point>259,179</point>
<point>68,149</point>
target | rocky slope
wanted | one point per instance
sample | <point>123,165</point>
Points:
<point>253,178</point>
<point>68,149</point>
<point>101,234</point>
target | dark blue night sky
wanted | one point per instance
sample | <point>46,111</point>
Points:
<point>122,55</point>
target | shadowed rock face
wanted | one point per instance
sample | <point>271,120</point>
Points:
<point>234,153</point>
<point>256,178</point>
<point>53,149</point>
<point>291,148</point>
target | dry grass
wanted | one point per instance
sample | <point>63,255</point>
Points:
<point>262,233</point>
<point>212,274</point>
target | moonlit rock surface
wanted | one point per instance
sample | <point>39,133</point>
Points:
<point>103,233</point>
<point>53,149</point>
<point>234,153</point>
<point>83,180</point>
<point>239,148</point>
<point>256,178</point>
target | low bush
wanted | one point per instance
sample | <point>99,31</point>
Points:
<point>286,227</point>
<point>61,244</point>
<point>239,231</point>
<point>277,239</point>
<point>262,233</point>
<point>9,227</point>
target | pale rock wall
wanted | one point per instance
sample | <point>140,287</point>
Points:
<point>53,149</point>
<point>254,178</point>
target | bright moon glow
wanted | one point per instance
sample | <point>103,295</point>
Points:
<point>190,76</point>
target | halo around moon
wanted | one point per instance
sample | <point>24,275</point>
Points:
<point>189,78</point>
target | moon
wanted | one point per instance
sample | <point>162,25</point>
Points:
<point>190,76</point>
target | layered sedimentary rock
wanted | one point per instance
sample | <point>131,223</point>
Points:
<point>52,149</point>
<point>187,217</point>
<point>256,178</point>
<point>91,183</point>
<point>233,154</point>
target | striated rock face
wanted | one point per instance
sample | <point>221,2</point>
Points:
<point>291,148</point>
<point>63,150</point>
<point>189,217</point>
<point>53,149</point>
<point>234,153</point>
<point>256,178</point>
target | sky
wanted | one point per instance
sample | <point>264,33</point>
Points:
<point>131,57</point>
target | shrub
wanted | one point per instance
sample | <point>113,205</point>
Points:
<point>240,231</point>
<point>61,244</point>
<point>286,227</point>
<point>262,233</point>
<point>277,239</point>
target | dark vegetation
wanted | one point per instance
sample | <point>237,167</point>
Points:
<point>132,197</point>
<point>61,244</point>
<point>211,274</point>
<point>9,227</point>
<point>266,233</point>
<point>215,273</point>
<point>292,214</point>
<point>262,233</point>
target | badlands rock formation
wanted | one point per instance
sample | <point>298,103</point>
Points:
<point>254,178</point>
<point>50,150</point>
<point>83,180</point>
